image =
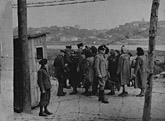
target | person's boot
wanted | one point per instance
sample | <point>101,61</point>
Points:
<point>141,93</point>
<point>74,91</point>
<point>102,97</point>
<point>46,111</point>
<point>60,91</point>
<point>64,93</point>
<point>112,92</point>
<point>41,113</point>
<point>89,93</point>
<point>86,91</point>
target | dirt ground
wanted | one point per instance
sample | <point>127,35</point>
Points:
<point>82,108</point>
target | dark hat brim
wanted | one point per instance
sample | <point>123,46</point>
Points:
<point>69,47</point>
<point>80,44</point>
<point>62,51</point>
<point>43,61</point>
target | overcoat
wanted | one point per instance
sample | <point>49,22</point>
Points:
<point>124,69</point>
<point>89,70</point>
<point>101,66</point>
<point>140,72</point>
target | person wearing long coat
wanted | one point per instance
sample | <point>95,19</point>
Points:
<point>95,81</point>
<point>124,70</point>
<point>67,61</point>
<point>45,86</point>
<point>81,62</point>
<point>140,71</point>
<point>112,68</point>
<point>74,75</point>
<point>61,68</point>
<point>88,73</point>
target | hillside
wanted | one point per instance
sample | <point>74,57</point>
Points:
<point>131,33</point>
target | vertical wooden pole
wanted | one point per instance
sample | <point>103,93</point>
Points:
<point>22,33</point>
<point>151,52</point>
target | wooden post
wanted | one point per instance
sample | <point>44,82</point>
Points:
<point>151,52</point>
<point>22,33</point>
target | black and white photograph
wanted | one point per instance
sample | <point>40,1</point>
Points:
<point>82,60</point>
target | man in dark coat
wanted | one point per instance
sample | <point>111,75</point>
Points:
<point>67,60</point>
<point>95,81</point>
<point>80,66</point>
<point>60,72</point>
<point>112,68</point>
<point>74,74</point>
<point>45,86</point>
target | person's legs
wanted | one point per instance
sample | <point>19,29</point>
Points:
<point>47,99</point>
<point>101,90</point>
<point>42,104</point>
<point>112,92</point>
<point>88,91</point>
<point>124,93</point>
<point>74,86</point>
<point>142,93</point>
<point>95,86</point>
<point>60,86</point>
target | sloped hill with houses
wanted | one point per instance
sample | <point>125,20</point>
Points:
<point>136,32</point>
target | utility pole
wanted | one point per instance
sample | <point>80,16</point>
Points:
<point>22,34</point>
<point>151,52</point>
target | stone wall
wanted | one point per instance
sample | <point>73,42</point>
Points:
<point>6,57</point>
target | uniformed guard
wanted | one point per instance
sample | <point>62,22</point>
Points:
<point>67,60</point>
<point>81,57</point>
<point>73,73</point>
<point>45,86</point>
<point>60,67</point>
<point>100,67</point>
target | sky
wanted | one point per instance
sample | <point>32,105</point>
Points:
<point>98,15</point>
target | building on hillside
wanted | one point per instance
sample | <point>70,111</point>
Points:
<point>37,50</point>
<point>67,38</point>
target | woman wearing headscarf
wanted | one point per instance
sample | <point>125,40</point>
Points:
<point>140,71</point>
<point>124,70</point>
<point>88,72</point>
<point>45,86</point>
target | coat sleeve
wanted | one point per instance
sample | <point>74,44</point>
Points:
<point>119,65</point>
<point>137,65</point>
<point>97,66</point>
<point>40,81</point>
<point>62,63</point>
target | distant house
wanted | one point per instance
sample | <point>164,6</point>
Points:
<point>37,50</point>
<point>66,38</point>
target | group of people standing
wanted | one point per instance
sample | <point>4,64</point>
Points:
<point>93,69</point>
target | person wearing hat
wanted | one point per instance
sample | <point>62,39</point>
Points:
<point>60,67</point>
<point>100,67</point>
<point>68,47</point>
<point>80,45</point>
<point>67,60</point>
<point>45,86</point>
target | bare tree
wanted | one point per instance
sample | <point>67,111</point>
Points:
<point>151,52</point>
